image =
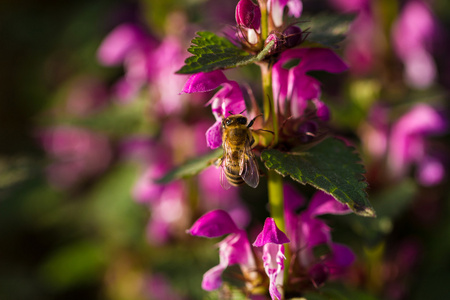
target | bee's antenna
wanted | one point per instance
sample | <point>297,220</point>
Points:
<point>242,111</point>
<point>253,120</point>
<point>230,112</point>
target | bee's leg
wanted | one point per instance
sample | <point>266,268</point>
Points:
<point>253,121</point>
<point>217,162</point>
<point>264,130</point>
<point>252,141</point>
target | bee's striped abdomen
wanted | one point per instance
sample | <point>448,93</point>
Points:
<point>234,179</point>
<point>232,169</point>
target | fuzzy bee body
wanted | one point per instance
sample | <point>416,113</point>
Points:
<point>238,163</point>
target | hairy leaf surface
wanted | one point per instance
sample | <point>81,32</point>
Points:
<point>211,52</point>
<point>330,166</point>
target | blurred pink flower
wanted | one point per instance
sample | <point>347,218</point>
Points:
<point>87,95</point>
<point>77,154</point>
<point>412,37</point>
<point>130,45</point>
<point>276,9</point>
<point>408,145</point>
<point>146,62</point>
<point>361,48</point>
<point>158,287</point>
<point>169,214</point>
<point>166,59</point>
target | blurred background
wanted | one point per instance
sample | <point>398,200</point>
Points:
<point>90,115</point>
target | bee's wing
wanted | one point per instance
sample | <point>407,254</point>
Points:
<point>248,167</point>
<point>223,178</point>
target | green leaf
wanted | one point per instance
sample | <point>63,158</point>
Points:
<point>330,166</point>
<point>212,52</point>
<point>327,29</point>
<point>191,167</point>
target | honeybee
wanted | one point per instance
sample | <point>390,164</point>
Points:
<point>238,162</point>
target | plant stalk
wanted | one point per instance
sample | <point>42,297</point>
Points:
<point>268,104</point>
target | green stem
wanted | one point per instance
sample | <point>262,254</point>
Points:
<point>264,23</point>
<point>275,187</point>
<point>275,180</point>
<point>268,103</point>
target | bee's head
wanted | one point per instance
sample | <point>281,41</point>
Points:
<point>234,120</point>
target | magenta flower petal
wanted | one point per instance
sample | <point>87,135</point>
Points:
<point>119,43</point>
<point>292,199</point>
<point>204,82</point>
<point>293,84</point>
<point>214,136</point>
<point>313,232</point>
<point>350,5</point>
<point>407,140</point>
<point>248,14</point>
<point>292,202</point>
<point>322,110</point>
<point>273,258</point>
<point>412,35</point>
<point>304,88</point>
<point>234,249</point>
<point>314,59</point>
<point>276,8</point>
<point>212,279</point>
<point>431,171</point>
<point>145,189</point>
<point>415,28</point>
<point>213,224</point>
<point>280,76</point>
<point>322,204</point>
<point>295,8</point>
<point>270,234</point>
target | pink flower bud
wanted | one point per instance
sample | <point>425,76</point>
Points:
<point>248,15</point>
<point>278,42</point>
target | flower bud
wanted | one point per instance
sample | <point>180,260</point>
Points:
<point>293,36</point>
<point>278,42</point>
<point>248,15</point>
<point>307,131</point>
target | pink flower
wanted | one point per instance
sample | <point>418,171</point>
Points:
<point>129,45</point>
<point>407,144</point>
<point>272,239</point>
<point>146,62</point>
<point>292,88</point>
<point>276,9</point>
<point>234,249</point>
<point>77,154</point>
<point>307,232</point>
<point>228,100</point>
<point>248,18</point>
<point>412,36</point>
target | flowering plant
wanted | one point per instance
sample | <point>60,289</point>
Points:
<point>266,137</point>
